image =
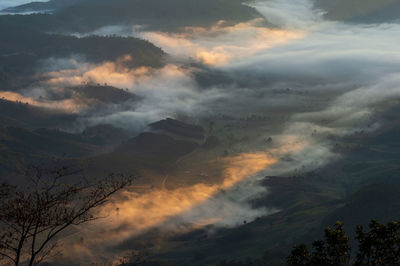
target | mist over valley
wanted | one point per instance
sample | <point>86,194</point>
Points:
<point>248,126</point>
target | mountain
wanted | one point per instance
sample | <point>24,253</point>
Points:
<point>89,15</point>
<point>51,5</point>
<point>17,39</point>
<point>365,11</point>
<point>23,49</point>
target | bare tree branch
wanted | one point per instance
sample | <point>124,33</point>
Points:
<point>31,220</point>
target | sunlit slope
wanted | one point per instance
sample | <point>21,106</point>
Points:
<point>369,11</point>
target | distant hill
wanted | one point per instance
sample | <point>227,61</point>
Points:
<point>148,143</point>
<point>23,115</point>
<point>366,11</point>
<point>147,151</point>
<point>106,147</point>
<point>105,94</point>
<point>19,39</point>
<point>178,129</point>
<point>106,134</point>
<point>51,5</point>
<point>20,147</point>
<point>157,151</point>
<point>22,48</point>
<point>88,15</point>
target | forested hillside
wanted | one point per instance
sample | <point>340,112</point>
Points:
<point>88,15</point>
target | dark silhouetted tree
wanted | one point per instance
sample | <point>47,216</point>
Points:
<point>32,218</point>
<point>378,246</point>
<point>300,256</point>
<point>333,250</point>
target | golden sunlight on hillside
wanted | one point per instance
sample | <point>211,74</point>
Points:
<point>72,105</point>
<point>134,212</point>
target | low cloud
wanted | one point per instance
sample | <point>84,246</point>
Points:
<point>221,44</point>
